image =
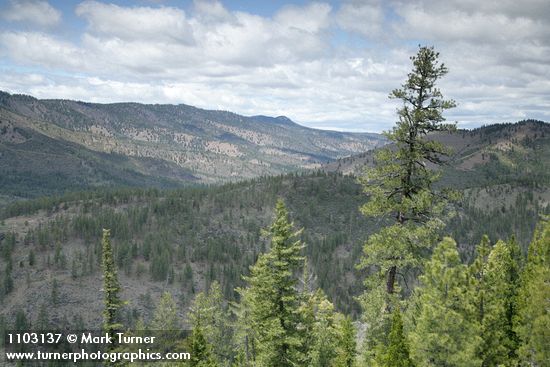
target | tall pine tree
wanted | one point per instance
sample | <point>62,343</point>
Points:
<point>111,288</point>
<point>273,298</point>
<point>400,189</point>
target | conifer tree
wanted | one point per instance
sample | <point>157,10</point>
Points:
<point>165,323</point>
<point>166,316</point>
<point>55,292</point>
<point>244,330</point>
<point>320,334</point>
<point>111,288</point>
<point>346,349</point>
<point>397,353</point>
<point>209,310</point>
<point>400,190</point>
<point>478,278</point>
<point>499,339</point>
<point>533,321</point>
<point>444,333</point>
<point>200,350</point>
<point>273,298</point>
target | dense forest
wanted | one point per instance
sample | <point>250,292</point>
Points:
<point>399,267</point>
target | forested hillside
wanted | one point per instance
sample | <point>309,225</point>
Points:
<point>430,251</point>
<point>183,240</point>
<point>45,144</point>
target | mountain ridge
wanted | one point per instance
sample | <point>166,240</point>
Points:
<point>208,146</point>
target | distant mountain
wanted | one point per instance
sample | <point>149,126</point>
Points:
<point>500,153</point>
<point>163,144</point>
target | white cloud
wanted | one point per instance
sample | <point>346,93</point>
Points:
<point>41,49</point>
<point>162,24</point>
<point>363,17</point>
<point>312,18</point>
<point>40,13</point>
<point>453,25</point>
<point>289,63</point>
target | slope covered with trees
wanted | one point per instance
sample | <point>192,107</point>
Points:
<point>45,144</point>
<point>265,271</point>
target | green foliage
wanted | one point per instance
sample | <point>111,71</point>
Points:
<point>166,323</point>
<point>397,353</point>
<point>320,337</point>
<point>272,297</point>
<point>111,288</point>
<point>210,313</point>
<point>500,342</point>
<point>166,316</point>
<point>200,350</point>
<point>346,349</point>
<point>399,188</point>
<point>444,331</point>
<point>533,322</point>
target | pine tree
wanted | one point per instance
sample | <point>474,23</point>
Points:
<point>320,341</point>
<point>42,320</point>
<point>478,277</point>
<point>7,282</point>
<point>533,321</point>
<point>397,354</point>
<point>245,334</point>
<point>209,310</point>
<point>166,324</point>
<point>55,292</point>
<point>400,189</point>
<point>499,339</point>
<point>346,349</point>
<point>273,298</point>
<point>444,333</point>
<point>166,317</point>
<point>111,288</point>
<point>200,350</point>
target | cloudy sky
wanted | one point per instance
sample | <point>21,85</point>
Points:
<point>328,64</point>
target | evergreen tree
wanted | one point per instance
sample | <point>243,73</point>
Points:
<point>533,322</point>
<point>209,310</point>
<point>42,320</point>
<point>111,288</point>
<point>400,189</point>
<point>166,324</point>
<point>165,317</point>
<point>200,350</point>
<point>444,334</point>
<point>21,323</point>
<point>7,282</point>
<point>397,354</point>
<point>478,278</point>
<point>346,349</point>
<point>273,298</point>
<point>321,338</point>
<point>55,292</point>
<point>32,258</point>
<point>244,331</point>
<point>499,339</point>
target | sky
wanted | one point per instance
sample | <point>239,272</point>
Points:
<point>326,64</point>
